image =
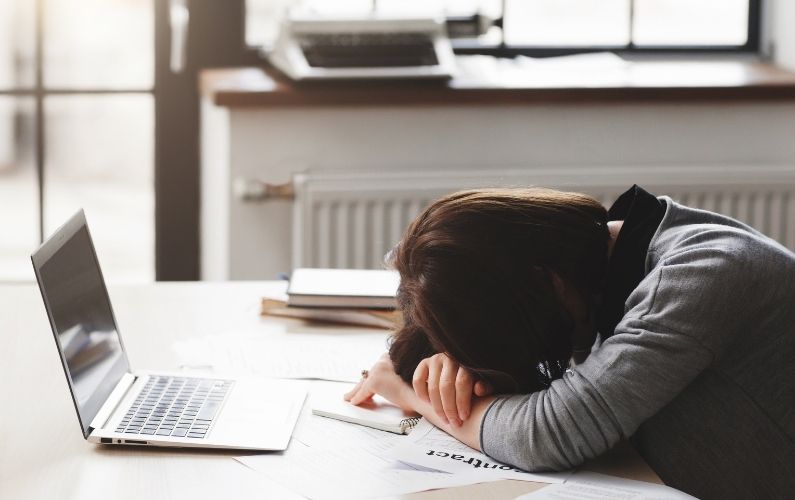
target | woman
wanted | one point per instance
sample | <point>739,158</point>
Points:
<point>666,324</point>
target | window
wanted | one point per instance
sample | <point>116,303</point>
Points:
<point>77,129</point>
<point>688,22</point>
<point>560,26</point>
<point>625,23</point>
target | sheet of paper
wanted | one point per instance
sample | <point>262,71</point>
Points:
<point>601,69</point>
<point>431,447</point>
<point>298,356</point>
<point>348,472</point>
<point>593,486</point>
<point>330,459</point>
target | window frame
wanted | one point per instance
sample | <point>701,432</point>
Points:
<point>39,92</point>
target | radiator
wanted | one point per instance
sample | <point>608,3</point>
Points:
<point>352,219</point>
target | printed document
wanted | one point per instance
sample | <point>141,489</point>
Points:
<point>332,459</point>
<point>350,471</point>
<point>593,486</point>
<point>431,447</point>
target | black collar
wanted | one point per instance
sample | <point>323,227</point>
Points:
<point>642,213</point>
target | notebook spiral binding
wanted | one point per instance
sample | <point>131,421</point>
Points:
<point>407,424</point>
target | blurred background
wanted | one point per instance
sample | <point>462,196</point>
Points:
<point>96,113</point>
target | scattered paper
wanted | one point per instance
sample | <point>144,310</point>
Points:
<point>431,447</point>
<point>593,486</point>
<point>330,459</point>
<point>579,70</point>
<point>594,60</point>
<point>296,356</point>
<point>349,472</point>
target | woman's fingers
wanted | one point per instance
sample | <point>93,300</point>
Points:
<point>360,393</point>
<point>463,393</point>
<point>434,374</point>
<point>362,396</point>
<point>349,394</point>
<point>448,387</point>
<point>483,388</point>
<point>447,390</point>
<point>420,380</point>
<point>382,379</point>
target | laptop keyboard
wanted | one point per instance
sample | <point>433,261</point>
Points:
<point>175,406</point>
<point>368,50</point>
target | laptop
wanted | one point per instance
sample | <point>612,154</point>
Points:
<point>116,405</point>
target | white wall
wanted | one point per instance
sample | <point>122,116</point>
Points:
<point>253,240</point>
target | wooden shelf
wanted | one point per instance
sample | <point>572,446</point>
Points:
<point>484,82</point>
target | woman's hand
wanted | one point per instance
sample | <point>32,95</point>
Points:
<point>381,379</point>
<point>448,387</point>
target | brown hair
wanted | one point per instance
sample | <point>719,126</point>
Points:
<point>476,282</point>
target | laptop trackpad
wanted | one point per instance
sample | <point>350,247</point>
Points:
<point>259,414</point>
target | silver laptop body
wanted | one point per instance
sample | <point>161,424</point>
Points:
<point>116,405</point>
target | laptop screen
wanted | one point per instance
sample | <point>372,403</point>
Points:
<point>81,317</point>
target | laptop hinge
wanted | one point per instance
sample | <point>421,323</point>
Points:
<point>114,399</point>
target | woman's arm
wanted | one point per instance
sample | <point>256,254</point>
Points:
<point>448,387</point>
<point>383,380</point>
<point>469,431</point>
<point>678,318</point>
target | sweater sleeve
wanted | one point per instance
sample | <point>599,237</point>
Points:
<point>632,375</point>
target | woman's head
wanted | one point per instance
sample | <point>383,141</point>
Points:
<point>480,280</point>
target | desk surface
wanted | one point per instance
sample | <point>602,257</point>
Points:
<point>485,82</point>
<point>43,454</point>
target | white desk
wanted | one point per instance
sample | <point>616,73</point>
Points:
<point>43,454</point>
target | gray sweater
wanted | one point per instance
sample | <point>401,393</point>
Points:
<point>700,371</point>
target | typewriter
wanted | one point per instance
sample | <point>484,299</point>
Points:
<point>321,48</point>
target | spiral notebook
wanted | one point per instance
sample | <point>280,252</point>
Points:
<point>378,414</point>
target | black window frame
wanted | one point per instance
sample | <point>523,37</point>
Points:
<point>215,37</point>
<point>39,91</point>
<point>752,46</point>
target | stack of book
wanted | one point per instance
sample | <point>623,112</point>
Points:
<point>362,297</point>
